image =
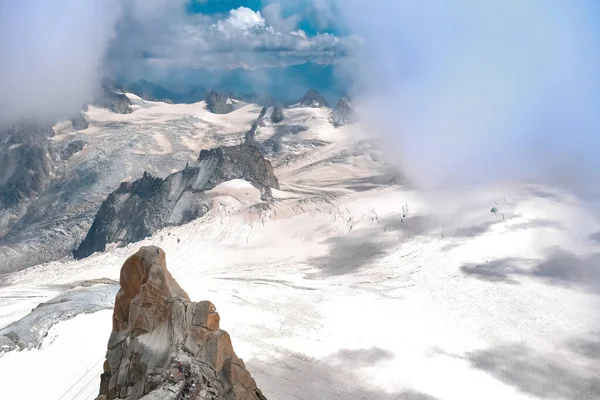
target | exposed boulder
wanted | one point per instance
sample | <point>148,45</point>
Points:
<point>114,101</point>
<point>218,103</point>
<point>73,147</point>
<point>79,122</point>
<point>267,115</point>
<point>164,346</point>
<point>277,114</point>
<point>343,113</point>
<point>26,162</point>
<point>138,209</point>
<point>312,98</point>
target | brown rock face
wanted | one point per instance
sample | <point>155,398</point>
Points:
<point>163,346</point>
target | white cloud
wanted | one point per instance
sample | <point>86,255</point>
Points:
<point>241,19</point>
<point>52,55</point>
<point>324,13</point>
<point>472,93</point>
<point>274,18</point>
<point>243,36</point>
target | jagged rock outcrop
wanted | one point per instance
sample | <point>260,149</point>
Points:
<point>312,98</point>
<point>277,114</point>
<point>73,147</point>
<point>164,346</point>
<point>267,115</point>
<point>79,122</point>
<point>138,209</point>
<point>218,103</point>
<point>26,161</point>
<point>343,113</point>
<point>114,101</point>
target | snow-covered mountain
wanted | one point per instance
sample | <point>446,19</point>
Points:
<point>312,98</point>
<point>347,284</point>
<point>343,113</point>
<point>55,179</point>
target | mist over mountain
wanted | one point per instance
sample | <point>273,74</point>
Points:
<point>304,163</point>
<point>286,84</point>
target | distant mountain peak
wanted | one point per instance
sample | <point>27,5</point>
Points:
<point>218,103</point>
<point>312,98</point>
<point>343,113</point>
<point>113,100</point>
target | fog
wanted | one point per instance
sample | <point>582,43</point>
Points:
<point>52,55</point>
<point>471,93</point>
<point>465,92</point>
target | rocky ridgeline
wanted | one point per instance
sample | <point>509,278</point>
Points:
<point>71,148</point>
<point>268,115</point>
<point>113,100</point>
<point>343,112</point>
<point>164,346</point>
<point>26,162</point>
<point>138,209</point>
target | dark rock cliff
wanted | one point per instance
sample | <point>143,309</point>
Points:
<point>312,98</point>
<point>138,209</point>
<point>218,103</point>
<point>73,147</point>
<point>343,113</point>
<point>114,101</point>
<point>26,161</point>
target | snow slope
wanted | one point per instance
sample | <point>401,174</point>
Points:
<point>352,287</point>
<point>157,137</point>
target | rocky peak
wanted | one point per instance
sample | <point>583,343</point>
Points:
<point>164,346</point>
<point>138,209</point>
<point>312,98</point>
<point>113,100</point>
<point>343,113</point>
<point>218,103</point>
